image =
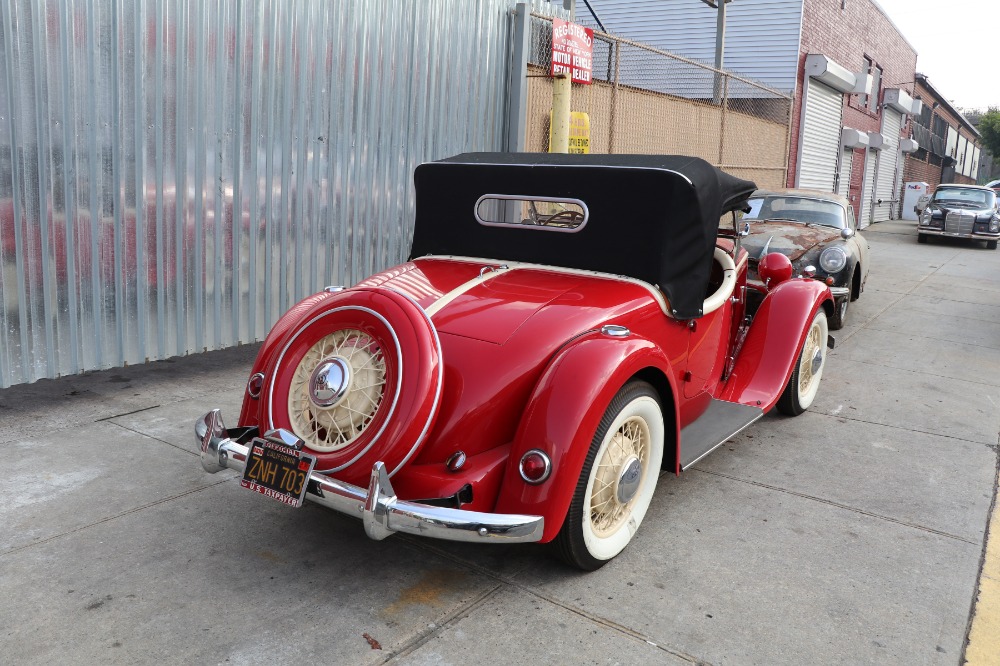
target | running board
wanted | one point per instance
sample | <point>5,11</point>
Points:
<point>720,421</point>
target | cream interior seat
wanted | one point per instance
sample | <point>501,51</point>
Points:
<point>715,300</point>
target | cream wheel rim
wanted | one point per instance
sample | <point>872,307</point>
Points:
<point>630,443</point>
<point>334,426</point>
<point>812,361</point>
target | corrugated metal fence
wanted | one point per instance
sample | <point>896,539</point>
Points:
<point>174,175</point>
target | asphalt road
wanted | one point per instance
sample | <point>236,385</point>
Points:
<point>851,534</point>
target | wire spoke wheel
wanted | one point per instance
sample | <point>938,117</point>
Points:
<point>617,481</point>
<point>358,377</point>
<point>362,380</point>
<point>628,445</point>
<point>800,392</point>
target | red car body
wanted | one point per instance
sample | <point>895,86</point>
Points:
<point>505,363</point>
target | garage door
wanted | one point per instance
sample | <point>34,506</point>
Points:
<point>885,188</point>
<point>844,184</point>
<point>821,123</point>
<point>868,189</point>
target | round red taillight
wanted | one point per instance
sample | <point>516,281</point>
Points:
<point>535,466</point>
<point>255,385</point>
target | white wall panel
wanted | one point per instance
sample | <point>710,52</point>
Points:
<point>820,147</point>
<point>846,167</point>
<point>888,164</point>
<point>687,28</point>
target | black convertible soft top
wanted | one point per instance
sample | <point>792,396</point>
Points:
<point>651,217</point>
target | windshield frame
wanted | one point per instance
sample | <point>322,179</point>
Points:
<point>990,195</point>
<point>845,218</point>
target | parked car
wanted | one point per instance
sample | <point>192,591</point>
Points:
<point>961,211</point>
<point>817,231</point>
<point>995,186</point>
<point>526,375</point>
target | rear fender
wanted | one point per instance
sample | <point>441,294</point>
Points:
<point>563,414</point>
<point>771,348</point>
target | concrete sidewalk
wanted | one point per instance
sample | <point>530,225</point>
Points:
<point>851,534</point>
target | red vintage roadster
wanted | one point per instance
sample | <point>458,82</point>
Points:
<point>566,327</point>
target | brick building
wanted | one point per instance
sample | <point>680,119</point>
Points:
<point>950,150</point>
<point>857,35</point>
<point>850,70</point>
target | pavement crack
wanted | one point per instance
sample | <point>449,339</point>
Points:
<point>896,427</point>
<point>134,411</point>
<point>447,620</point>
<point>847,507</point>
<point>936,339</point>
<point>919,372</point>
<point>108,519</point>
<point>507,581</point>
<point>155,439</point>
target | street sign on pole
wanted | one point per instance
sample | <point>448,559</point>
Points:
<point>572,50</point>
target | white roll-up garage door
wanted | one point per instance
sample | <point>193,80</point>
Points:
<point>868,188</point>
<point>846,163</point>
<point>820,144</point>
<point>886,180</point>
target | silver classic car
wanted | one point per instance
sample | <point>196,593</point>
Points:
<point>961,211</point>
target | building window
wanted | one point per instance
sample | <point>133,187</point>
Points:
<point>876,88</point>
<point>863,98</point>
<point>924,119</point>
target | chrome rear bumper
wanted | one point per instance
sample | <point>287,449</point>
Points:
<point>378,507</point>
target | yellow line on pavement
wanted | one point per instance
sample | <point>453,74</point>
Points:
<point>984,637</point>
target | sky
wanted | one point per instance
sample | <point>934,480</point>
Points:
<point>957,44</point>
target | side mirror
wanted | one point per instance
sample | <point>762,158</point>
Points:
<point>846,233</point>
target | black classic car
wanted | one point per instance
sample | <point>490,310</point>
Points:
<point>961,211</point>
<point>817,231</point>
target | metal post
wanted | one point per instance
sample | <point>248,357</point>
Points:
<point>722,120</point>
<point>517,109</point>
<point>562,92</point>
<point>720,46</point>
<point>614,99</point>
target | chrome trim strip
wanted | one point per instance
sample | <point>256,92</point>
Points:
<point>745,426</point>
<point>573,166</point>
<point>440,303</point>
<point>437,394</point>
<point>653,291</point>
<point>978,235</point>
<point>529,198</point>
<point>840,291</point>
<point>399,378</point>
<point>382,512</point>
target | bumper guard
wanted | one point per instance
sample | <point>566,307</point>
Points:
<point>378,507</point>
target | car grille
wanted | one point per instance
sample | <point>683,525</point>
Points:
<point>958,222</point>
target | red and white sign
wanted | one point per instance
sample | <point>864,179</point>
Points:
<point>572,50</point>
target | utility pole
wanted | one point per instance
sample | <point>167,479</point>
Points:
<point>720,42</point>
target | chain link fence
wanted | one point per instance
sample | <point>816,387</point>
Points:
<point>649,101</point>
